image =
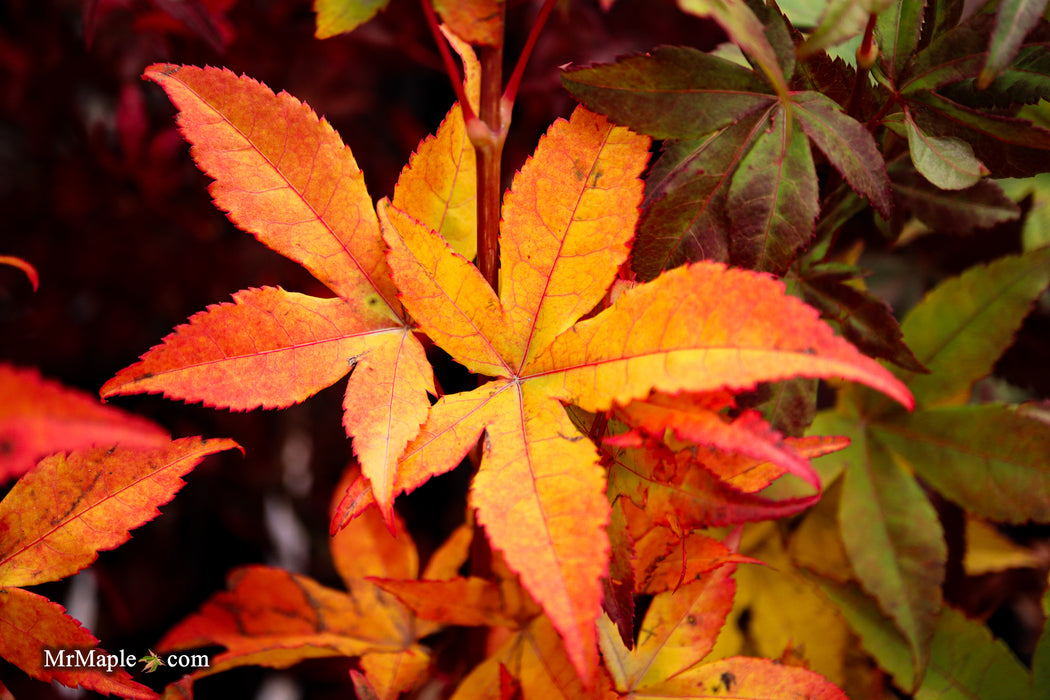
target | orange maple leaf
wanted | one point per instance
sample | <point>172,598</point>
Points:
<point>567,224</point>
<point>53,523</point>
<point>678,633</point>
<point>696,420</point>
<point>39,417</point>
<point>275,618</point>
<point>283,174</point>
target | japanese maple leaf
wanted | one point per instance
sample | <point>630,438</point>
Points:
<point>283,174</point>
<point>567,225</point>
<point>53,523</point>
<point>40,417</point>
<point>679,632</point>
<point>276,618</point>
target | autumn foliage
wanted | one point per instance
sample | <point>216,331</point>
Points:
<point>620,354</point>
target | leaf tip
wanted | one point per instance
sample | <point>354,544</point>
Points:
<point>164,69</point>
<point>25,267</point>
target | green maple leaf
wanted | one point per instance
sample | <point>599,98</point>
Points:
<point>152,661</point>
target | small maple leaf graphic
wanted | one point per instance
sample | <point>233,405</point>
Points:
<point>152,661</point>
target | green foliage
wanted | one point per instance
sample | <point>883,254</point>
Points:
<point>940,110</point>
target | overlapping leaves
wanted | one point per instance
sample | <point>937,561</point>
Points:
<point>956,133</point>
<point>889,529</point>
<point>736,179</point>
<point>53,523</point>
<point>284,175</point>
<point>567,222</point>
<point>275,618</point>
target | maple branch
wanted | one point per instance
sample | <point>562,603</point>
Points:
<point>450,64</point>
<point>511,90</point>
<point>488,135</point>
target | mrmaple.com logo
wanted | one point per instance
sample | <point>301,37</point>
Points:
<point>106,661</point>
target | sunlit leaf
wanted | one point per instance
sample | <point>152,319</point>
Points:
<point>476,21</point>
<point>532,660</point>
<point>697,421</point>
<point>746,678</point>
<point>557,544</point>
<point>284,175</point>
<point>439,185</point>
<point>679,630</point>
<point>988,550</point>
<point>275,618</point>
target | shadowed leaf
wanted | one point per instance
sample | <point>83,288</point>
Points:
<point>1013,20</point>
<point>339,16</point>
<point>982,205</point>
<point>39,417</point>
<point>672,92</point>
<point>848,146</point>
<point>54,521</point>
<point>772,201</point>
<point>1004,480</point>
<point>31,624</point>
<point>744,30</point>
<point>894,542</point>
<point>961,328</point>
<point>685,217</point>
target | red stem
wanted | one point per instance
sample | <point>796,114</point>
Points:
<point>515,78</point>
<point>450,63</point>
<point>488,136</point>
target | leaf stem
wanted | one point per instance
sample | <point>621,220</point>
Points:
<point>511,91</point>
<point>867,53</point>
<point>450,63</point>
